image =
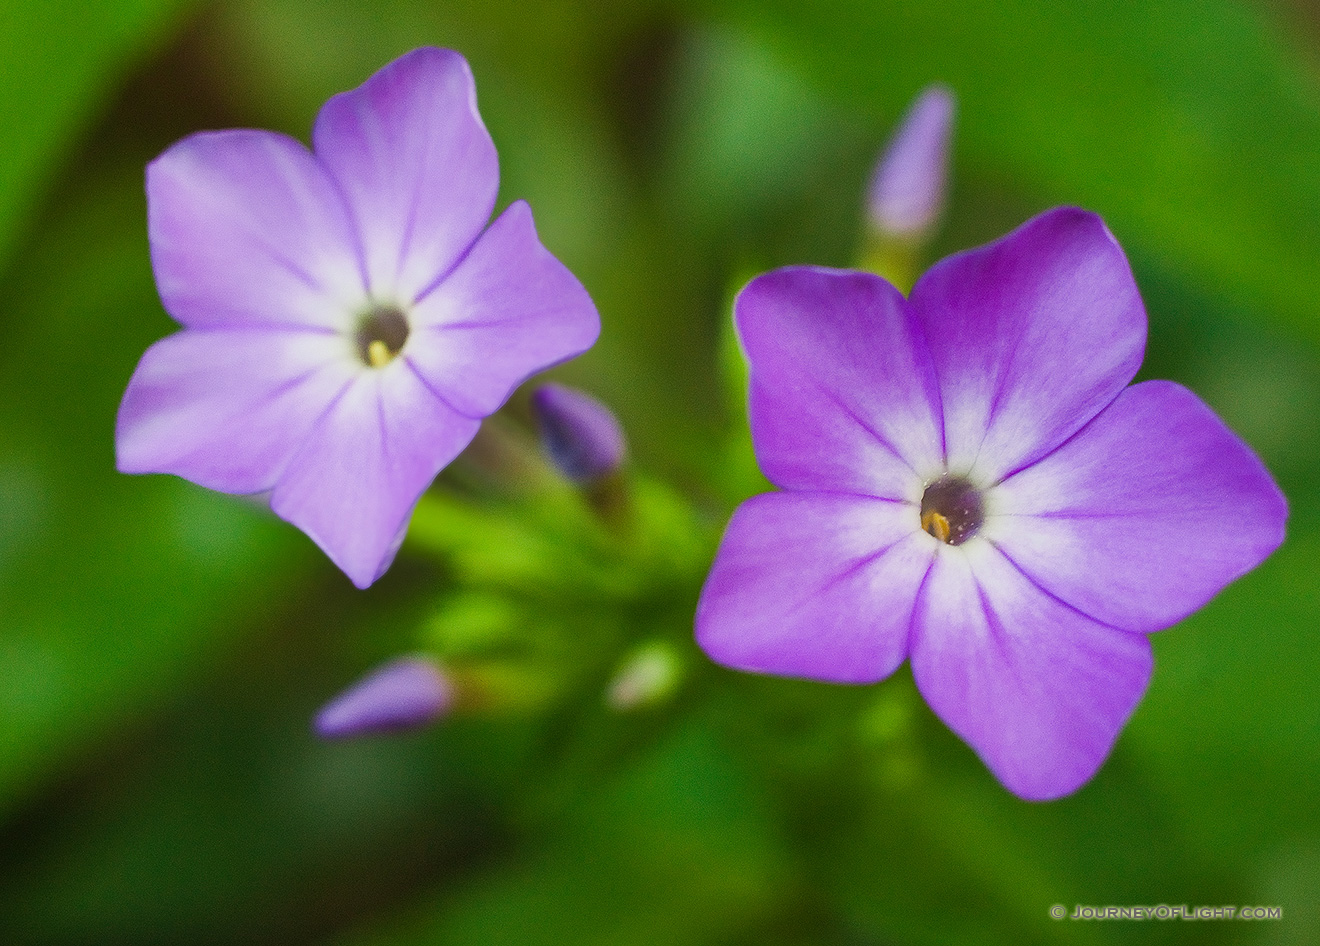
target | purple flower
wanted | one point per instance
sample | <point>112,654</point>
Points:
<point>906,196</point>
<point>969,482</point>
<point>347,322</point>
<point>581,435</point>
<point>403,694</point>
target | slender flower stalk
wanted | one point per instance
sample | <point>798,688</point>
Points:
<point>968,481</point>
<point>348,317</point>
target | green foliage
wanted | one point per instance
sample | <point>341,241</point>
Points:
<point>1190,125</point>
<point>114,591</point>
<point>62,61</point>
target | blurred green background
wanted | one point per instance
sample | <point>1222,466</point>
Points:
<point>163,648</point>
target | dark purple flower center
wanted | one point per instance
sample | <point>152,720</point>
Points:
<point>381,334</point>
<point>951,510</point>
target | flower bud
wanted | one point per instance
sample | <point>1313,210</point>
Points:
<point>908,186</point>
<point>649,675</point>
<point>581,435</point>
<point>403,694</point>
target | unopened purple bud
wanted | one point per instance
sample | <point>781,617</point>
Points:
<point>402,694</point>
<point>580,434</point>
<point>908,187</point>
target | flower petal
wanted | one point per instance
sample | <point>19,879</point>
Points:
<point>246,228</point>
<point>843,393</point>
<point>1039,690</point>
<point>1032,336</point>
<point>227,409</point>
<point>416,166</point>
<point>1143,516</point>
<point>353,485</point>
<point>814,585</point>
<point>509,310</point>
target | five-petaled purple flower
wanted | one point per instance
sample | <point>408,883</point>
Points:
<point>347,322</point>
<point>968,481</point>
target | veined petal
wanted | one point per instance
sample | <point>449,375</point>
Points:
<point>817,585</point>
<point>353,485</point>
<point>1038,689</point>
<point>1145,514</point>
<point>227,409</point>
<point>1032,336</point>
<point>247,229</point>
<point>509,310</point>
<point>843,394</point>
<point>416,166</point>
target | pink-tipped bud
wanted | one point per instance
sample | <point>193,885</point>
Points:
<point>403,694</point>
<point>908,187</point>
<point>581,435</point>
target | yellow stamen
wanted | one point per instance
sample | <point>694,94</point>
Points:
<point>936,525</point>
<point>378,353</point>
